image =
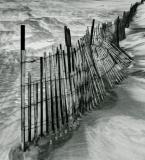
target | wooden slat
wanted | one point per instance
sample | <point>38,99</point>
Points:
<point>41,96</point>
<point>35,111</point>
<point>46,95</point>
<point>29,107</point>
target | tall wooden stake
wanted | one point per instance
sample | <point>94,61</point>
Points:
<point>92,31</point>
<point>117,30</point>
<point>23,57</point>
<point>68,45</point>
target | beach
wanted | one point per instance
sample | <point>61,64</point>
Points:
<point>116,131</point>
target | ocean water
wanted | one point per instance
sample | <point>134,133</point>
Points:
<point>45,20</point>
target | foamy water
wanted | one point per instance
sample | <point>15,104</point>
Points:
<point>44,21</point>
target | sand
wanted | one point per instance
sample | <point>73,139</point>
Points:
<point>117,131</point>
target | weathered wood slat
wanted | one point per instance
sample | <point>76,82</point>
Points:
<point>60,87</point>
<point>51,96</point>
<point>29,107</point>
<point>35,92</point>
<point>46,94</point>
<point>41,96</point>
<point>57,109</point>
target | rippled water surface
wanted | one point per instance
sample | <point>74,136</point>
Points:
<point>44,20</point>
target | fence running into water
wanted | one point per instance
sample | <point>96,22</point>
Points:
<point>59,87</point>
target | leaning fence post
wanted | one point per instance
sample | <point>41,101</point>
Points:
<point>117,30</point>
<point>92,31</point>
<point>124,19</point>
<point>41,96</point>
<point>29,107</point>
<point>23,57</point>
<point>68,45</point>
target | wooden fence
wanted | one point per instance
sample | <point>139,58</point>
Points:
<point>59,87</point>
<point>115,31</point>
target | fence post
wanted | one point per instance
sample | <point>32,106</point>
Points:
<point>92,31</point>
<point>51,95</point>
<point>124,19</point>
<point>46,94</point>
<point>68,45</point>
<point>117,30</point>
<point>41,96</point>
<point>29,107</point>
<point>23,57</point>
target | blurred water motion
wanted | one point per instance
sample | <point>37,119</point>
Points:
<point>44,21</point>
